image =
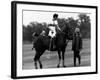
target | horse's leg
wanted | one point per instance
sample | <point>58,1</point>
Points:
<point>36,59</point>
<point>32,47</point>
<point>35,63</point>
<point>59,54</point>
<point>40,53</point>
<point>40,64</point>
<point>63,58</point>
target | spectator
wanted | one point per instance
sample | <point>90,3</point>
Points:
<point>77,45</point>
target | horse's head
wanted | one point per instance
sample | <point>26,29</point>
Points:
<point>68,31</point>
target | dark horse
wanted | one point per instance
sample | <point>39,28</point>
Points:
<point>43,42</point>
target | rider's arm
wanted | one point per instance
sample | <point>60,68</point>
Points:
<point>56,24</point>
<point>58,27</point>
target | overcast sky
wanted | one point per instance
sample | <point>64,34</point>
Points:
<point>39,16</point>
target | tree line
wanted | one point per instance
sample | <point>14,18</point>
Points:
<point>83,21</point>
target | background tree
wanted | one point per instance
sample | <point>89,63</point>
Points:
<point>85,25</point>
<point>70,22</point>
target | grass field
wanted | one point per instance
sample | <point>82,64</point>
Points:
<point>52,61</point>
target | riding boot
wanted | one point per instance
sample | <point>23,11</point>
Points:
<point>54,44</point>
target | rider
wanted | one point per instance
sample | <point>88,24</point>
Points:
<point>53,29</point>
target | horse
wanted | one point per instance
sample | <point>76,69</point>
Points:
<point>42,44</point>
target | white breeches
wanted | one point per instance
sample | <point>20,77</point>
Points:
<point>52,31</point>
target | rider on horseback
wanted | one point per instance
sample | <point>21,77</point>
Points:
<point>53,29</point>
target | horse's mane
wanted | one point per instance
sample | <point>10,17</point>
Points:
<point>67,30</point>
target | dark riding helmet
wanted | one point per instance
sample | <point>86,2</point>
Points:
<point>55,16</point>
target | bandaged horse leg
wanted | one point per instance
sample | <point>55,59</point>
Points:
<point>33,46</point>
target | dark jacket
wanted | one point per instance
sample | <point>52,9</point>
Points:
<point>77,42</point>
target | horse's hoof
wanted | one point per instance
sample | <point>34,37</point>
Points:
<point>74,65</point>
<point>64,66</point>
<point>36,68</point>
<point>58,66</point>
<point>41,67</point>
